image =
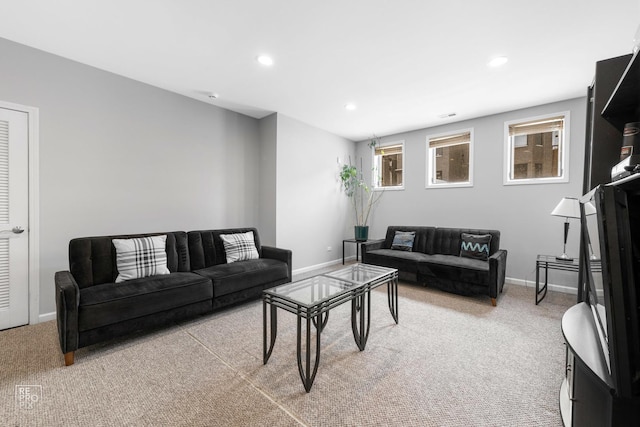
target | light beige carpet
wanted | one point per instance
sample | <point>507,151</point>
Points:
<point>451,361</point>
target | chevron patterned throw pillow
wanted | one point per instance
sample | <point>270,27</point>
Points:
<point>475,246</point>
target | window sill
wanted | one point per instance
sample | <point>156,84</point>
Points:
<point>536,181</point>
<point>458,185</point>
<point>397,188</point>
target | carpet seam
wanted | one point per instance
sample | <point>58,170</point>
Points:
<point>244,378</point>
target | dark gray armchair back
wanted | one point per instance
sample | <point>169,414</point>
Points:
<point>92,260</point>
<point>447,241</point>
<point>206,247</point>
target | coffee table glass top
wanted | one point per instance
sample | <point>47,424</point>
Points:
<point>312,291</point>
<point>361,273</point>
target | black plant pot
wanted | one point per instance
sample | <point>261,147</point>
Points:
<point>361,232</point>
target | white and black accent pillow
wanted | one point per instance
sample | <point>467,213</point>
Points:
<point>239,246</point>
<point>475,246</point>
<point>141,257</point>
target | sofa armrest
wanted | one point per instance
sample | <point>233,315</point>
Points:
<point>370,245</point>
<point>67,302</point>
<point>497,271</point>
<point>283,255</point>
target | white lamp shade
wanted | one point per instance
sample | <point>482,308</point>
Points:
<point>569,207</point>
<point>589,208</point>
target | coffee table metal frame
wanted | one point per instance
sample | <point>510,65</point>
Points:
<point>356,282</point>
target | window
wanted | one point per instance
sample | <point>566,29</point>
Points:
<point>449,159</point>
<point>535,150</point>
<point>388,161</point>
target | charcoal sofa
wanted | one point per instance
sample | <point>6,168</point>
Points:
<point>435,260</point>
<point>92,308</point>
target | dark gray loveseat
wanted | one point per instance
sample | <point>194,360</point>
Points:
<point>92,308</point>
<point>434,260</point>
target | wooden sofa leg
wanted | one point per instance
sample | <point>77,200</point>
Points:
<point>68,358</point>
<point>493,302</point>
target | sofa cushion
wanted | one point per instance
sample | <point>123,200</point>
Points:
<point>455,268</point>
<point>140,257</point>
<point>475,246</point>
<point>92,260</point>
<point>403,240</point>
<point>447,241</point>
<point>111,303</point>
<point>241,275</point>
<point>206,248</point>
<point>401,260</point>
<point>239,246</point>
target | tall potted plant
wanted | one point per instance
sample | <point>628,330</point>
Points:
<point>362,198</point>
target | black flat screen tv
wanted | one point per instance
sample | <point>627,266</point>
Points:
<point>611,268</point>
<point>591,255</point>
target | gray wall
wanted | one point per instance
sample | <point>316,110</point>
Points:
<point>119,156</point>
<point>521,212</point>
<point>268,151</point>
<point>312,211</point>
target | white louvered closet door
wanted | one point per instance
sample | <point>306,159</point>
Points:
<point>14,215</point>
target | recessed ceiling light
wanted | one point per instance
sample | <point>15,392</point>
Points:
<point>265,60</point>
<point>446,115</point>
<point>213,95</point>
<point>498,61</point>
<point>350,106</point>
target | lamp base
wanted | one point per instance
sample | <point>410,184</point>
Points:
<point>564,257</point>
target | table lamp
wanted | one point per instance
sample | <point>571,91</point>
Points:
<point>569,207</point>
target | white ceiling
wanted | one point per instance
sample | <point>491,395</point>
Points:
<point>402,62</point>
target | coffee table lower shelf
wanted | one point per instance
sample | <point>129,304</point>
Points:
<point>312,299</point>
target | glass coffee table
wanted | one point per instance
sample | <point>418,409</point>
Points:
<point>311,299</point>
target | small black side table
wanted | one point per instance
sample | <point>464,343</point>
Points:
<point>357,242</point>
<point>550,262</point>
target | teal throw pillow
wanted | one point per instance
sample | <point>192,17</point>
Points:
<point>475,246</point>
<point>403,240</point>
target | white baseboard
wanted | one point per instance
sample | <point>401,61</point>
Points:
<point>47,317</point>
<point>323,265</point>
<point>550,286</point>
